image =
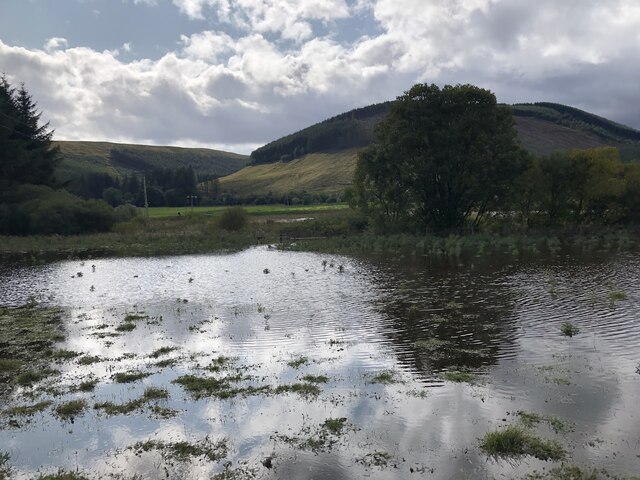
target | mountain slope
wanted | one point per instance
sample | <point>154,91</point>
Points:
<point>285,165</point>
<point>542,128</point>
<point>119,159</point>
<point>313,173</point>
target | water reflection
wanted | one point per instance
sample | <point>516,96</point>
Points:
<point>377,315</point>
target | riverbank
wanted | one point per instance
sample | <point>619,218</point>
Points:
<point>337,231</point>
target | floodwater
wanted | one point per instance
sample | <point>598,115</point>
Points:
<point>281,316</point>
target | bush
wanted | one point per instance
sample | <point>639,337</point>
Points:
<point>124,213</point>
<point>233,219</point>
<point>31,209</point>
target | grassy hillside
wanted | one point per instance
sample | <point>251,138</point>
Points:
<point>95,157</point>
<point>324,154</point>
<point>313,173</point>
<point>542,137</point>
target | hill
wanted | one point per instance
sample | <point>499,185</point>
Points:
<point>542,128</point>
<point>313,173</point>
<point>117,159</point>
<point>322,157</point>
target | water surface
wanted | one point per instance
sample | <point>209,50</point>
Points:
<point>352,319</point>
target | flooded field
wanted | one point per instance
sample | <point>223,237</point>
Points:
<point>270,364</point>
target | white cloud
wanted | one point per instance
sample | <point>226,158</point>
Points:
<point>55,43</point>
<point>288,18</point>
<point>221,87</point>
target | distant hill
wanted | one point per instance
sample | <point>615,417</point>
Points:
<point>119,159</point>
<point>314,173</point>
<point>542,128</point>
<point>322,157</point>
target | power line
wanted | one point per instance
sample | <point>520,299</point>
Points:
<point>16,120</point>
<point>16,131</point>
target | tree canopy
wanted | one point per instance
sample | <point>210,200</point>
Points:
<point>27,154</point>
<point>441,158</point>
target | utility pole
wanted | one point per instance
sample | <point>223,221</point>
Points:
<point>191,197</point>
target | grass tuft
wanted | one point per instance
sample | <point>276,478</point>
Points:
<point>568,329</point>
<point>70,410</point>
<point>515,441</point>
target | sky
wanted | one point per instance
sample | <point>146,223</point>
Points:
<point>236,74</point>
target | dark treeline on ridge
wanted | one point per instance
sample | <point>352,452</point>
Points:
<point>448,160</point>
<point>348,130</point>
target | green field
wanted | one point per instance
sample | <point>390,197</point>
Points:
<point>257,210</point>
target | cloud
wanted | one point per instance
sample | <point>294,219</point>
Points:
<point>55,43</point>
<point>248,84</point>
<point>290,19</point>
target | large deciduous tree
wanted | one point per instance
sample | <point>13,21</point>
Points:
<point>441,159</point>
<point>26,152</point>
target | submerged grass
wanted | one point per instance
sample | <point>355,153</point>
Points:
<point>315,378</point>
<point>150,394</point>
<point>129,377</point>
<point>568,329</point>
<point>386,378</point>
<point>29,334</point>
<point>223,388</point>
<point>183,451</point>
<point>458,376</point>
<point>516,441</point>
<point>298,362</point>
<point>162,351</point>
<point>531,419</point>
<point>304,389</point>
<point>27,410</point>
<point>69,410</point>
<point>375,459</point>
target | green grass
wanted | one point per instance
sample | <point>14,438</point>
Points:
<point>253,210</point>
<point>223,388</point>
<point>568,329</point>
<point>8,365</point>
<point>531,419</point>
<point>298,362</point>
<point>29,334</point>
<point>89,360</point>
<point>516,441</point>
<point>63,475</point>
<point>70,409</point>
<point>304,389</point>
<point>28,410</point>
<point>572,472</point>
<point>183,451</point>
<point>315,378</point>
<point>335,425</point>
<point>129,377</point>
<point>162,351</point>
<point>150,394</point>
<point>126,327</point>
<point>617,295</point>
<point>386,378</point>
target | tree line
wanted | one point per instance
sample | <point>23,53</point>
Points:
<point>165,186</point>
<point>448,160</point>
<point>30,200</point>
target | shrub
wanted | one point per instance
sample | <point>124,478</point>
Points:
<point>233,219</point>
<point>124,213</point>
